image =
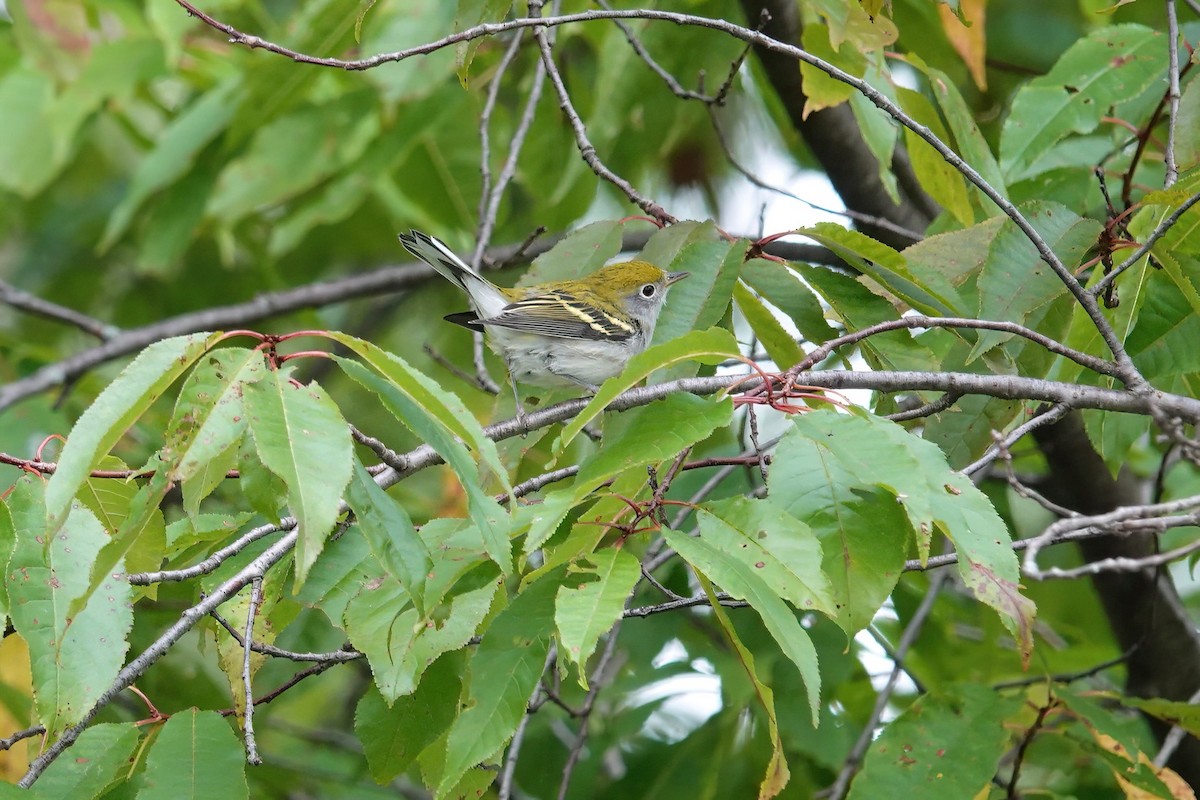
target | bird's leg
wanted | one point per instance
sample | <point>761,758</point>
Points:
<point>520,409</point>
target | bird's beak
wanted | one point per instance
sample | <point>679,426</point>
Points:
<point>672,277</point>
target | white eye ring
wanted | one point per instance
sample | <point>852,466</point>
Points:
<point>648,290</point>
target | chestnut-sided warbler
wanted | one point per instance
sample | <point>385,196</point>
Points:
<point>563,333</point>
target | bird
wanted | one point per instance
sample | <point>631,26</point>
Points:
<point>571,333</point>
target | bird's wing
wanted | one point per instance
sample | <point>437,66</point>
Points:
<point>559,314</point>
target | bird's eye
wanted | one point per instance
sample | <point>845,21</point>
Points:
<point>648,290</point>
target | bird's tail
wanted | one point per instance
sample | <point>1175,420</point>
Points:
<point>441,258</point>
<point>486,298</point>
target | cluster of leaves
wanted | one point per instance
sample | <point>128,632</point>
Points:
<point>456,594</point>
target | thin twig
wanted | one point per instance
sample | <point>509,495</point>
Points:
<point>252,756</point>
<point>382,451</point>
<point>585,711</point>
<point>1142,518</point>
<point>28,733</point>
<point>1023,747</point>
<point>213,562</point>
<point>1174,737</point>
<point>32,304</point>
<point>926,410</point>
<point>1003,444</point>
<point>1172,173</point>
<point>911,631</point>
<point>587,150</point>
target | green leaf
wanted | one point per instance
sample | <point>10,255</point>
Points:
<point>302,438</point>
<point>953,743</point>
<point>107,419</point>
<point>646,435</point>
<point>8,540</point>
<point>879,131</point>
<point>390,534</point>
<point>400,645</point>
<point>883,264</point>
<point>778,774</point>
<point>209,415</point>
<point>820,89</point>
<point>1015,284</point>
<point>26,98</point>
<point>708,346</point>
<point>73,659</point>
<point>392,738</point>
<point>98,759</point>
<point>294,152</point>
<point>444,424</point>
<point>781,347</point>
<point>176,150</point>
<point>779,548</point>
<point>144,522</point>
<point>779,285</point>
<point>744,583</point>
<point>427,400</point>
<point>943,182</point>
<point>581,252</point>
<point>1111,65</point>
<point>504,671</point>
<point>469,14</point>
<point>585,611</point>
<point>969,140</point>
<point>862,451</point>
<point>263,490</point>
<point>195,756</point>
<point>202,528</point>
<point>1163,343</point>
<point>859,308</point>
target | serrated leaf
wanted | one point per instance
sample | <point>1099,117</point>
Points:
<point>302,438</point>
<point>938,177</point>
<point>73,659</point>
<point>781,347</point>
<point>781,288</point>
<point>702,300</point>
<point>469,14</point>
<point>859,308</point>
<point>144,519</point>
<point>195,756</point>
<point>504,671</point>
<point>585,611</point>
<point>1111,65</point>
<point>708,346</point>
<point>778,774</point>
<point>209,415</point>
<point>743,583</point>
<point>110,415</point>
<point>646,435</point>
<point>393,737</point>
<point>864,451</point>
<point>1015,284</point>
<point>400,645</point>
<point>390,534</point>
<point>412,399</point>
<point>883,264</point>
<point>581,252</point>
<point>175,151</point>
<point>951,742</point>
<point>778,547</point>
<point>98,758</point>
